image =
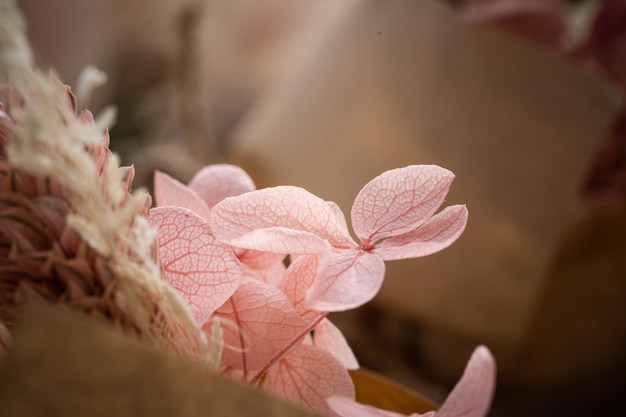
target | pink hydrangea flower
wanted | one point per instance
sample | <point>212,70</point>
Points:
<point>393,217</point>
<point>223,244</point>
<point>251,294</point>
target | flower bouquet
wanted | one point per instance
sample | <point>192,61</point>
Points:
<point>238,280</point>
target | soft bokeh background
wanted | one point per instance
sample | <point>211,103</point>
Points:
<point>327,94</point>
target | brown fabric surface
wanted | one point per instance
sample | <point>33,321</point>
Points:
<point>63,363</point>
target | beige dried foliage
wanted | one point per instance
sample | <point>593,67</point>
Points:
<point>96,250</point>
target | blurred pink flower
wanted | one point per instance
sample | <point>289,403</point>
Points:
<point>542,21</point>
<point>471,397</point>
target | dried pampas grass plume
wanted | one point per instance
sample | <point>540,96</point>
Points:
<point>70,229</point>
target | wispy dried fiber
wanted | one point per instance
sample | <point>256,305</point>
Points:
<point>70,229</point>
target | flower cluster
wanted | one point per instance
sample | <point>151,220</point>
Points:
<point>71,231</point>
<point>263,269</point>
<point>253,274</point>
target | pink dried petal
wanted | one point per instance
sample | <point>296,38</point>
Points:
<point>259,260</point>
<point>6,126</point>
<point>51,211</point>
<point>308,375</point>
<point>436,234</point>
<point>281,240</point>
<point>399,201</point>
<point>101,152</point>
<point>127,175</point>
<point>24,229</point>
<point>297,280</point>
<point>271,275</point>
<point>31,264</point>
<point>286,207</point>
<point>171,192</point>
<point>606,41</point>
<point>543,21</point>
<point>204,271</point>
<point>351,279</point>
<point>327,336</point>
<point>257,322</point>
<point>214,183</point>
<point>338,214</point>
<point>70,270</point>
<point>12,180</point>
<point>472,395</point>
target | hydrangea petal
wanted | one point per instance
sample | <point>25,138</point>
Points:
<point>544,22</point>
<point>271,275</point>
<point>328,336</point>
<point>472,395</point>
<point>280,240</point>
<point>171,192</point>
<point>436,234</point>
<point>308,375</point>
<point>287,207</point>
<point>214,183</point>
<point>398,201</point>
<point>351,279</point>
<point>204,271</point>
<point>339,214</point>
<point>257,322</point>
<point>297,280</point>
<point>258,259</point>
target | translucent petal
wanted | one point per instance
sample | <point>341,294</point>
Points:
<point>328,336</point>
<point>436,234</point>
<point>257,322</point>
<point>308,375</point>
<point>352,278</point>
<point>204,271</point>
<point>214,183</point>
<point>171,192</point>
<point>472,395</point>
<point>399,201</point>
<point>285,207</point>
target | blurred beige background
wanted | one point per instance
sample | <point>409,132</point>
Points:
<point>327,95</point>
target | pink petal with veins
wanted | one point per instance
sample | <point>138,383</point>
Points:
<point>286,207</point>
<point>214,183</point>
<point>258,259</point>
<point>542,21</point>
<point>472,395</point>
<point>327,336</point>
<point>171,192</point>
<point>297,280</point>
<point>272,275</point>
<point>280,240</point>
<point>436,234</point>
<point>308,375</point>
<point>257,322</point>
<point>204,271</point>
<point>338,214</point>
<point>398,201</point>
<point>352,278</point>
